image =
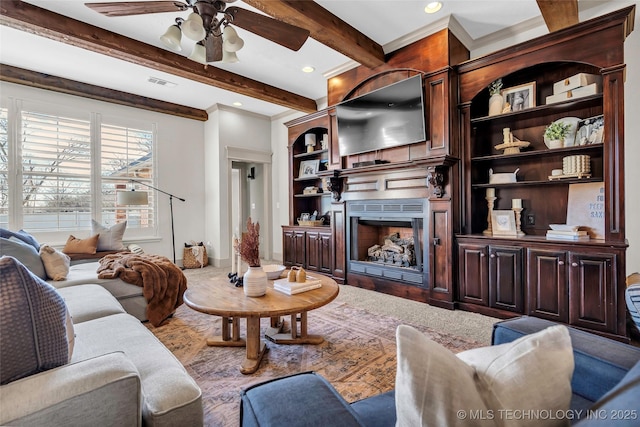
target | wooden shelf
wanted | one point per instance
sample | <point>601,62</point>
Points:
<point>312,195</point>
<point>558,107</point>
<point>508,158</point>
<point>547,182</point>
<point>311,154</point>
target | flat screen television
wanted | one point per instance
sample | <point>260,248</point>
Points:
<point>387,117</point>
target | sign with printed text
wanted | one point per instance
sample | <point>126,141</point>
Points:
<point>585,208</point>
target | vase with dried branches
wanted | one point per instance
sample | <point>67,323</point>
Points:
<point>255,279</point>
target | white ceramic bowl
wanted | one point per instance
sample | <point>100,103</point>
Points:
<point>273,270</point>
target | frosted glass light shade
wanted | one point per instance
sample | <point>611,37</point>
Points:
<point>229,57</point>
<point>199,54</point>
<point>172,37</point>
<point>132,198</point>
<point>231,42</point>
<point>193,27</point>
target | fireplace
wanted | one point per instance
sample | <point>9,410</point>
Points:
<point>385,240</point>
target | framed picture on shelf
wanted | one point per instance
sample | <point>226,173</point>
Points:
<point>520,97</point>
<point>308,168</point>
<point>590,131</point>
<point>503,223</point>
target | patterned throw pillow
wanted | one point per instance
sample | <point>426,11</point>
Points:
<point>55,262</point>
<point>35,330</point>
<point>22,235</point>
<point>110,237</point>
<point>81,246</point>
<point>25,253</point>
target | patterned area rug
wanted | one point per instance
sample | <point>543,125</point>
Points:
<point>358,355</point>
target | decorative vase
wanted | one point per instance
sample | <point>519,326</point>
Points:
<point>255,282</point>
<point>495,104</point>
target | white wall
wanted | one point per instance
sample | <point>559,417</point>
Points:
<point>632,114</point>
<point>228,127</point>
<point>180,143</point>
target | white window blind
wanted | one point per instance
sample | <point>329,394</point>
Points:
<point>4,169</point>
<point>56,172</point>
<point>126,153</point>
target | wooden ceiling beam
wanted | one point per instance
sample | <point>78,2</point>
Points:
<point>559,14</point>
<point>325,27</point>
<point>45,81</point>
<point>35,20</point>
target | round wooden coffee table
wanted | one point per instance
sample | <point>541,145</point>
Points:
<point>220,298</point>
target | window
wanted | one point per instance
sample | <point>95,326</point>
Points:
<point>68,167</point>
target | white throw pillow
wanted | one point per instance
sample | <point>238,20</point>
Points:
<point>523,383</point>
<point>56,263</point>
<point>110,237</point>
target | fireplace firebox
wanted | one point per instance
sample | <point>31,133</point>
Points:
<point>385,239</point>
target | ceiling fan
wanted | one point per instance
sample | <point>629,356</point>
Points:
<point>209,26</point>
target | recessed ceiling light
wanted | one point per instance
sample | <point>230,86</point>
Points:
<point>308,69</point>
<point>433,7</point>
<point>237,104</point>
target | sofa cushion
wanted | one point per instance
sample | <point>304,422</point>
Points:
<point>25,253</point>
<point>81,246</point>
<point>22,235</point>
<point>171,396</point>
<point>33,323</point>
<point>110,237</point>
<point>304,399</point>
<point>88,302</point>
<point>620,406</point>
<point>529,374</point>
<point>56,263</point>
<point>600,363</point>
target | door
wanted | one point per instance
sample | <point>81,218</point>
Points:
<point>547,284</point>
<point>506,290</point>
<point>473,274</point>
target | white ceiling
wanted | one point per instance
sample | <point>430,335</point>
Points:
<point>388,23</point>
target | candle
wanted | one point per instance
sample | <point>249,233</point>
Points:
<point>491,192</point>
<point>516,203</point>
<point>239,265</point>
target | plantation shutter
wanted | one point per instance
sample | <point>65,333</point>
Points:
<point>56,172</point>
<point>4,169</point>
<point>126,153</point>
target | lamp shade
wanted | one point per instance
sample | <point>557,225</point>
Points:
<point>231,41</point>
<point>172,37</point>
<point>229,57</point>
<point>132,198</point>
<point>193,27</point>
<point>199,53</point>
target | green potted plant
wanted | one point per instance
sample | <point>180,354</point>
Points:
<point>495,101</point>
<point>554,134</point>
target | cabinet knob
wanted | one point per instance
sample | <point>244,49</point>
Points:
<point>492,255</point>
<point>436,241</point>
<point>574,264</point>
<point>481,254</point>
<point>560,262</point>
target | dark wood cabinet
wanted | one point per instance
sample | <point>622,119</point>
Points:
<point>294,247</point>
<point>576,282</point>
<point>319,245</point>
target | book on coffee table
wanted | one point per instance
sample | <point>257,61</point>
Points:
<point>291,288</point>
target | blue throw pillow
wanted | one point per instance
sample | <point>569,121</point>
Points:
<point>25,253</point>
<point>632,296</point>
<point>33,323</point>
<point>22,235</point>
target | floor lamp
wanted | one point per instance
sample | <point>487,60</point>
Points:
<point>134,197</point>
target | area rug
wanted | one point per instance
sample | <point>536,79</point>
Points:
<point>358,356</point>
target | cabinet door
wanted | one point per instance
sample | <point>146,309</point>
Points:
<point>293,248</point>
<point>547,285</point>
<point>325,246</point>
<point>592,294</point>
<point>505,278</point>
<point>313,251</point>
<point>473,274</point>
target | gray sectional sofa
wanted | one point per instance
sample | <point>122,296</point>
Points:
<point>119,373</point>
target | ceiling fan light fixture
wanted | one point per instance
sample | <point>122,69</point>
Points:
<point>172,38</point>
<point>193,27</point>
<point>231,41</point>
<point>199,54</point>
<point>229,57</point>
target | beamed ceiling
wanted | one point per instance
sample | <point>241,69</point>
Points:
<point>345,32</point>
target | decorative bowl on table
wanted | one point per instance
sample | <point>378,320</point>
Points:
<point>273,271</point>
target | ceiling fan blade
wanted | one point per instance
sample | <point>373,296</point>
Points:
<point>137,7</point>
<point>284,34</point>
<point>213,46</point>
